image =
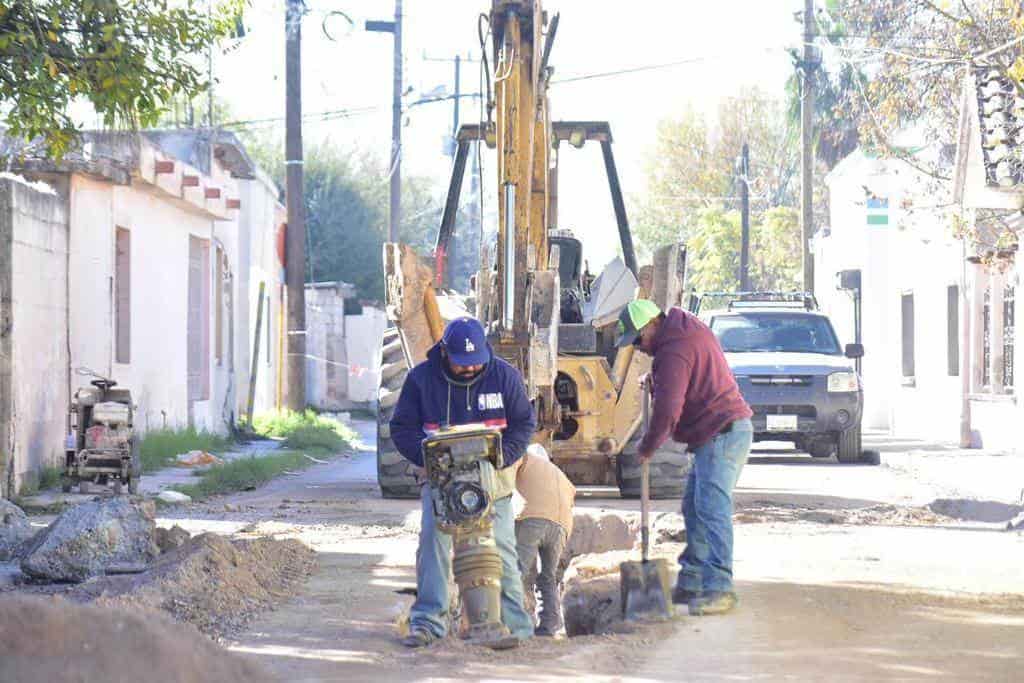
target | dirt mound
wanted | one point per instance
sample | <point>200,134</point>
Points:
<point>51,639</point>
<point>210,582</point>
<point>882,514</point>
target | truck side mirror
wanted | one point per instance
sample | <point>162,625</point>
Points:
<point>854,350</point>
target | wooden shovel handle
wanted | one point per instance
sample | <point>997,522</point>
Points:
<point>645,475</point>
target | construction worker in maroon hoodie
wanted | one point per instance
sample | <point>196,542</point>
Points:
<point>696,402</point>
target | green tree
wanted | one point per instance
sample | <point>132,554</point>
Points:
<point>128,59</point>
<point>693,166</point>
<point>714,251</point>
<point>346,201</point>
<point>911,54</point>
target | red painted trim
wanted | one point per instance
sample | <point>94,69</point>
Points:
<point>212,193</point>
<point>234,204</point>
<point>163,167</point>
<point>190,181</point>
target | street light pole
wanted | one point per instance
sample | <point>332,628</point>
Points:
<point>395,168</point>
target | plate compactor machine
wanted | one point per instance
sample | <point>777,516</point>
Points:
<point>102,448</point>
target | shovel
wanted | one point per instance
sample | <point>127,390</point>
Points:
<point>646,586</point>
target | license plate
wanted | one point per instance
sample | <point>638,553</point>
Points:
<point>782,423</point>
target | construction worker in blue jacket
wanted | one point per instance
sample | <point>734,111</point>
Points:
<point>463,382</point>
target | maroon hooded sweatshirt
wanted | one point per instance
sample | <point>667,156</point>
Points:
<point>695,393</point>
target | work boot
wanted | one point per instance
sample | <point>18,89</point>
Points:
<point>418,637</point>
<point>715,602</point>
<point>682,596</point>
<point>546,631</point>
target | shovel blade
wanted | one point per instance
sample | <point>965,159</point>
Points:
<point>646,590</point>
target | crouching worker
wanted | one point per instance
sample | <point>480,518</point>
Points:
<point>543,528</point>
<point>463,382</point>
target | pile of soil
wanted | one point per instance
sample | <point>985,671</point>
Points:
<point>880,515</point>
<point>211,582</point>
<point>52,639</point>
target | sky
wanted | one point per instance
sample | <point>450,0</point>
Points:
<point>726,44</point>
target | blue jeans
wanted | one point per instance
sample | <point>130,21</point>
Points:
<point>434,569</point>
<point>706,563</point>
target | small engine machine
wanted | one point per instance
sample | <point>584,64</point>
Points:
<point>461,465</point>
<point>102,447</point>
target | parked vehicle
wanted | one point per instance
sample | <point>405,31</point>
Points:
<point>800,383</point>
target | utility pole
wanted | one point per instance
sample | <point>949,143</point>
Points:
<point>395,168</point>
<point>745,216</point>
<point>807,67</point>
<point>295,252</point>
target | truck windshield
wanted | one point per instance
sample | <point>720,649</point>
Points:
<point>770,331</point>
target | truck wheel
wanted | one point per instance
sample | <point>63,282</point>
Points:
<point>394,472</point>
<point>849,446</point>
<point>669,469</point>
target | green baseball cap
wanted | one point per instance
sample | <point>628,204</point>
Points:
<point>634,316</point>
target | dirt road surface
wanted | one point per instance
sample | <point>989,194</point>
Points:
<point>844,573</point>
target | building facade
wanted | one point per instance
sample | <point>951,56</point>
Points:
<point>138,257</point>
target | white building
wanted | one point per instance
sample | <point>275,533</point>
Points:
<point>911,269</point>
<point>939,312</point>
<point>138,257</point>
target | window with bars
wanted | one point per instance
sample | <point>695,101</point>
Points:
<point>1008,330</point>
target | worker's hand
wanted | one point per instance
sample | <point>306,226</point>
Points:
<point>645,456</point>
<point>645,381</point>
<point>420,474</point>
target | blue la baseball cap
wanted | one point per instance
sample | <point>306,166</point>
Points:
<point>465,342</point>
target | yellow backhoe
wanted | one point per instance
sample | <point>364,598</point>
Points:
<point>548,318</point>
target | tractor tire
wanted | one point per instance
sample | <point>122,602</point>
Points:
<point>394,473</point>
<point>668,471</point>
<point>849,446</point>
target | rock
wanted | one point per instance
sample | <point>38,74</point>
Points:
<point>669,527</point>
<point>56,640</point>
<point>15,530</point>
<point>169,539</point>
<point>94,538</point>
<point>169,496</point>
<point>599,532</point>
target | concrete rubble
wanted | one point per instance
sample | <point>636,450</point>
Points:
<point>15,530</point>
<point>102,536</point>
<point>599,532</point>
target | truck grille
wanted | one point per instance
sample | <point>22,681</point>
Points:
<point>799,411</point>
<point>782,380</point>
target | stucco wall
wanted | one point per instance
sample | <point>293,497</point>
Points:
<point>157,370</point>
<point>362,342</point>
<point>38,391</point>
<point>258,262</point>
<point>327,368</point>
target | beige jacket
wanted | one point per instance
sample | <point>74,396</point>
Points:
<point>547,491</point>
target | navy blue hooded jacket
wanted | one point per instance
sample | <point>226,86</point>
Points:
<point>430,398</point>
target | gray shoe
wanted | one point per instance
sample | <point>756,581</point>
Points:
<point>418,637</point>
<point>546,631</point>
<point>715,602</point>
